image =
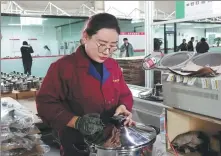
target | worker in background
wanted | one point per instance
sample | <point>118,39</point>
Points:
<point>126,49</point>
<point>183,46</point>
<point>26,51</point>
<point>190,44</point>
<point>82,89</point>
<point>47,51</point>
<point>202,46</point>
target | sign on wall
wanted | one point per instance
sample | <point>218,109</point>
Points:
<point>137,40</point>
<point>186,9</point>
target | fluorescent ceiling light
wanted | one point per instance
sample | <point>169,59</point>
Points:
<point>15,24</point>
<point>199,27</point>
<point>185,24</point>
<point>137,21</point>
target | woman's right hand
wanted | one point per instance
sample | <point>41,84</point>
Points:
<point>89,124</point>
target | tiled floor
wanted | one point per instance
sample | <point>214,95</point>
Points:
<point>159,148</point>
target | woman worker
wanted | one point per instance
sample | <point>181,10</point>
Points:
<point>80,88</point>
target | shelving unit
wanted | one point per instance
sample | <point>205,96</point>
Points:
<point>179,122</point>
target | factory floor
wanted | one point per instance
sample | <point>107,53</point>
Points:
<point>159,148</point>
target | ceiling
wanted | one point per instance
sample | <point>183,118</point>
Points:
<point>47,22</point>
<point>68,6</point>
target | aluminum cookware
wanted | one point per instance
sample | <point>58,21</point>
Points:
<point>13,73</point>
<point>13,81</point>
<point>3,76</point>
<point>22,85</point>
<point>120,140</point>
<point>40,82</point>
<point>35,82</point>
<point>8,77</point>
<point>6,87</point>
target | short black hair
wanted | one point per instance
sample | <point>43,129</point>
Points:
<point>100,21</point>
<point>125,39</point>
<point>203,39</point>
<point>25,43</point>
<point>184,39</point>
<point>192,38</point>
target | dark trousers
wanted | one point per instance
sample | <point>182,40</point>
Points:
<point>27,67</point>
<point>72,143</point>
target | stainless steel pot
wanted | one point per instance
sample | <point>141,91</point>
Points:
<point>3,76</point>
<point>35,82</point>
<point>13,81</point>
<point>8,77</point>
<point>23,76</point>
<point>22,85</point>
<point>6,87</point>
<point>137,140</point>
<point>13,73</point>
<point>40,82</point>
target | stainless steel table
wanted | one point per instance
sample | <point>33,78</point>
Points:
<point>147,112</point>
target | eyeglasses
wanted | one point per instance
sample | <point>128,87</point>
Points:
<point>103,48</point>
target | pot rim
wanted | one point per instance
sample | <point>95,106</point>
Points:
<point>124,149</point>
<point>131,148</point>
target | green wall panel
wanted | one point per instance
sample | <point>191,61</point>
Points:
<point>180,9</point>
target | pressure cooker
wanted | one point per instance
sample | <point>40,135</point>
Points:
<point>23,76</point>
<point>13,73</point>
<point>3,76</point>
<point>8,77</point>
<point>22,85</point>
<point>40,82</point>
<point>121,140</point>
<point>6,87</point>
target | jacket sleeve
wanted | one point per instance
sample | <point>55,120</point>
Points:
<point>189,46</point>
<point>122,48</point>
<point>197,47</point>
<point>207,47</point>
<point>31,50</point>
<point>50,100</point>
<point>126,97</point>
<point>179,47</point>
<point>132,50</point>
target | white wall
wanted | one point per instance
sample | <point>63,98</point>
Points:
<point>188,33</point>
<point>44,36</point>
<point>211,34</point>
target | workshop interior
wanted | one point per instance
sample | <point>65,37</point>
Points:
<point>168,54</point>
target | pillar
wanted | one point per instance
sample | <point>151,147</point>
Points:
<point>99,6</point>
<point>149,15</point>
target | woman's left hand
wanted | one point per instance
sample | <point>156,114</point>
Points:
<point>122,110</point>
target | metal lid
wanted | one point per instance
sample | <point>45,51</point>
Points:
<point>176,60</point>
<point>207,59</point>
<point>119,137</point>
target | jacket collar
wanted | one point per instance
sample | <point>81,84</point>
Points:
<point>84,62</point>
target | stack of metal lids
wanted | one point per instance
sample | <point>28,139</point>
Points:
<point>208,59</point>
<point>132,70</point>
<point>176,60</point>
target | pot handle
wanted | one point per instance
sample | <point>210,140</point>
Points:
<point>156,129</point>
<point>84,150</point>
<point>118,121</point>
